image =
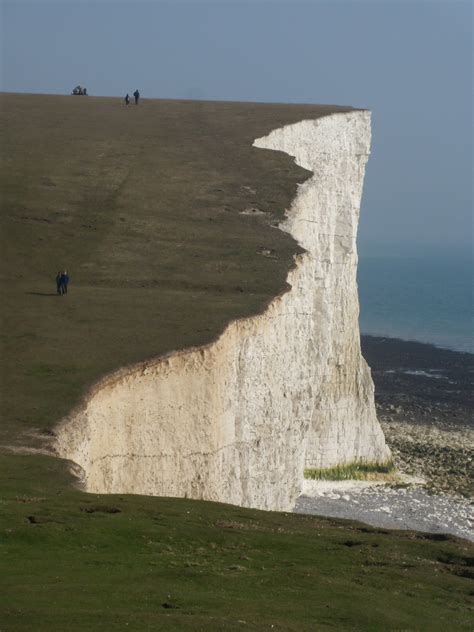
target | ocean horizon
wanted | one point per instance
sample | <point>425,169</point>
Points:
<point>423,299</point>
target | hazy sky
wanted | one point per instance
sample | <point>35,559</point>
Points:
<point>409,61</point>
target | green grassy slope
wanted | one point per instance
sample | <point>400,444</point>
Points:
<point>74,561</point>
<point>143,208</point>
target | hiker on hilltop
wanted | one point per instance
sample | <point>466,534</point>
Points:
<point>63,282</point>
<point>58,282</point>
<point>127,99</point>
<point>136,94</point>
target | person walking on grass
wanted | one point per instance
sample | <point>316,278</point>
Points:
<point>127,99</point>
<point>64,282</point>
<point>58,282</point>
<point>136,94</point>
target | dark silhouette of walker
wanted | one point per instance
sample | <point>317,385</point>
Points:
<point>136,94</point>
<point>62,281</point>
<point>127,99</point>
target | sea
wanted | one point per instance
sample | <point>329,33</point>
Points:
<point>422,299</point>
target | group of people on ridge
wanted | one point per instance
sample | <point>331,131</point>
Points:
<point>62,281</point>
<point>136,96</point>
<point>79,90</point>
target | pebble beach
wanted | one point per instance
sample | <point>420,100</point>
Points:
<point>424,400</point>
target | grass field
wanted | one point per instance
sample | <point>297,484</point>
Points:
<point>75,561</point>
<point>143,206</point>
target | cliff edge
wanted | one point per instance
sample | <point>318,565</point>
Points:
<point>238,420</point>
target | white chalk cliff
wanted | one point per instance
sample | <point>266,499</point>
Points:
<point>240,419</point>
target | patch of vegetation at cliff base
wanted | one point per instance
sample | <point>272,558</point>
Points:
<point>358,470</point>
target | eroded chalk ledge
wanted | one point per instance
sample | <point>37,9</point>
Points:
<point>240,419</point>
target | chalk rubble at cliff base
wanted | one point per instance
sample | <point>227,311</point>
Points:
<point>239,420</point>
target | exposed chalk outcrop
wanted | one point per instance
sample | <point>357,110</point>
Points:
<point>239,420</point>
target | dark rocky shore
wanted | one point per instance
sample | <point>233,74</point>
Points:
<point>424,398</point>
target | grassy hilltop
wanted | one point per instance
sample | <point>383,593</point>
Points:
<point>143,206</point>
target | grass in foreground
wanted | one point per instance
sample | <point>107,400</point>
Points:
<point>74,561</point>
<point>358,470</point>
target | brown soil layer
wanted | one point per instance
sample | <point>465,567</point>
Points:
<point>424,398</point>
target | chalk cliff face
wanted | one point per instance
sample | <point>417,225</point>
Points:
<point>239,420</point>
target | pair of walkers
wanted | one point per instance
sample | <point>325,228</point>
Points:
<point>62,281</point>
<point>136,96</point>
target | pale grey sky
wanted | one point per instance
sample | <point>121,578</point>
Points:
<point>409,61</point>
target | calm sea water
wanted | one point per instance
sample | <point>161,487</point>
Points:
<point>428,300</point>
